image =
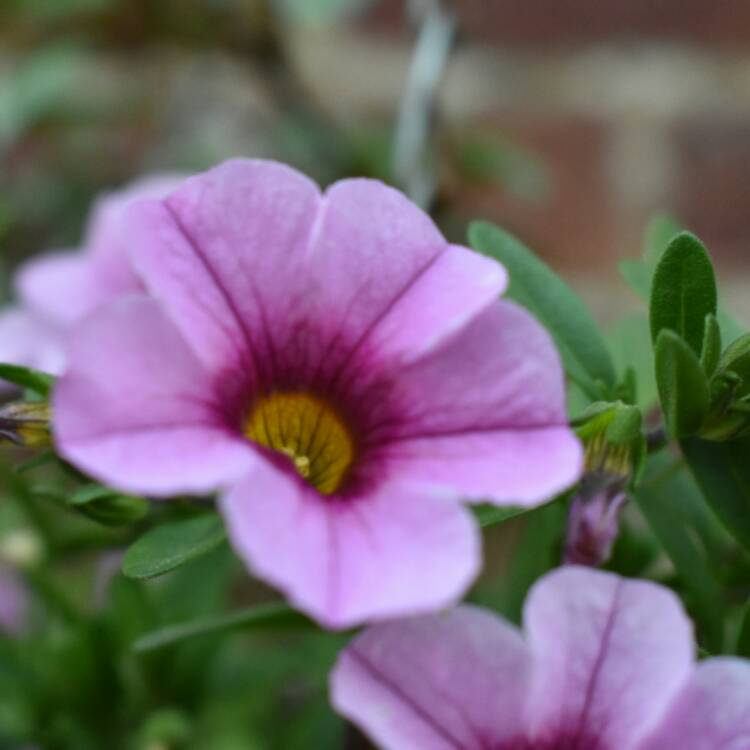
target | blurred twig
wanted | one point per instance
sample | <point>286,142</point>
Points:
<point>412,165</point>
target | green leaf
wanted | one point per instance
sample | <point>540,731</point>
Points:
<point>682,384</point>
<point>42,459</point>
<point>743,640</point>
<point>25,377</point>
<point>711,351</point>
<point>638,273</point>
<point>666,497</point>
<point>171,545</point>
<point>265,616</point>
<point>90,493</point>
<point>534,285</point>
<point>737,359</point>
<point>108,507</point>
<point>722,471</point>
<point>489,515</point>
<point>684,291</point>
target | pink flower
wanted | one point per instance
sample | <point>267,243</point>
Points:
<point>343,369</point>
<point>59,289</point>
<point>606,664</point>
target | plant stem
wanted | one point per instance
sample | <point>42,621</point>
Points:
<point>411,157</point>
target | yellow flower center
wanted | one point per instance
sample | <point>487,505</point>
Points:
<point>307,430</point>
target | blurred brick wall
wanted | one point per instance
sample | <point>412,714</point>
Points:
<point>633,107</point>
<point>545,22</point>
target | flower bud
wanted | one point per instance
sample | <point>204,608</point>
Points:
<point>26,423</point>
<point>615,446</point>
<point>594,522</point>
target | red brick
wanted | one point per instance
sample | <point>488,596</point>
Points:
<point>713,186</point>
<point>546,22</point>
<point>574,222</point>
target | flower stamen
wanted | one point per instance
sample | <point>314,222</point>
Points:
<point>307,430</point>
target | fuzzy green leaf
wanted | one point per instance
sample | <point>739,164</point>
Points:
<point>684,291</point>
<point>535,286</point>
<point>171,545</point>
<point>722,471</point>
<point>682,384</point>
<point>669,501</point>
<point>107,506</point>
<point>711,351</point>
<point>736,359</point>
<point>489,515</point>
<point>264,616</point>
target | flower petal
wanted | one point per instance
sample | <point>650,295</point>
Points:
<point>59,287</point>
<point>457,285</point>
<point>345,561</point>
<point>108,237</point>
<point>383,270</point>
<point>524,467</point>
<point>445,682</point>
<point>485,413</point>
<point>27,340</point>
<point>608,654</point>
<point>712,712</point>
<point>225,253</point>
<point>136,409</point>
<point>250,258</point>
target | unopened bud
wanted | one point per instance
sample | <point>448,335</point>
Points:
<point>26,423</point>
<point>613,437</point>
<point>594,521</point>
<point>615,446</point>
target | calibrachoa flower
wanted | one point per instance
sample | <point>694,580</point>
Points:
<point>345,370</point>
<point>606,664</point>
<point>58,289</point>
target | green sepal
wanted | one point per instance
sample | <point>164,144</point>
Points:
<point>626,425</point>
